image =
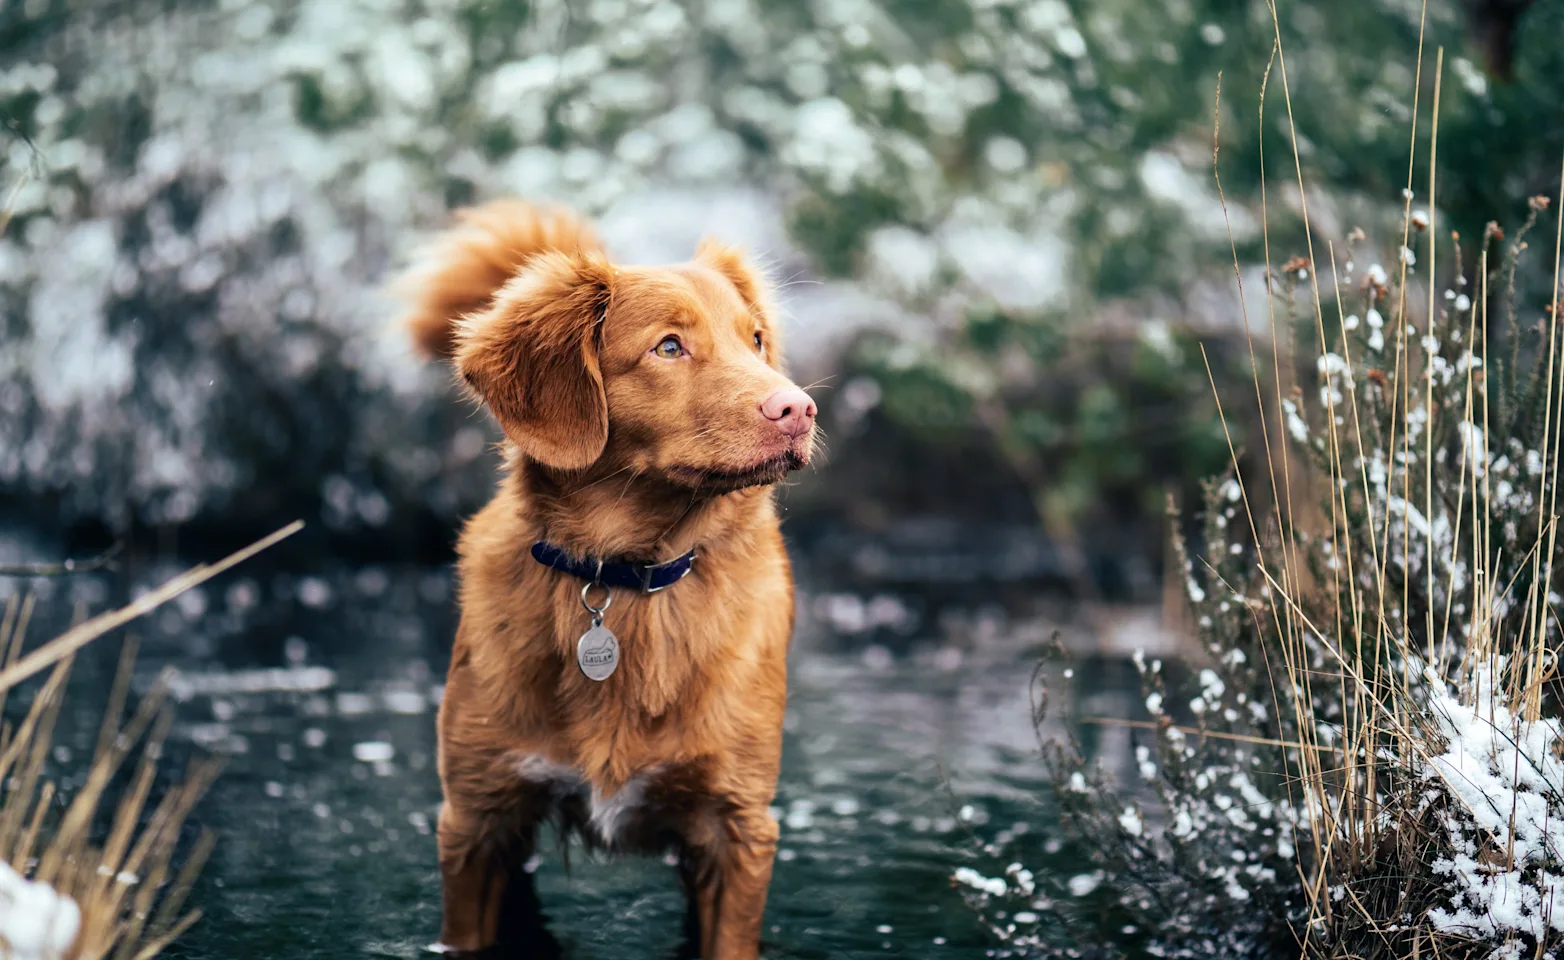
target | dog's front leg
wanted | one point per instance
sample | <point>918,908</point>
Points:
<point>738,885</point>
<point>474,876</point>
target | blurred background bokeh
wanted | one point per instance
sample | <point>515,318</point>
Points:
<point>995,221</point>
<point>1007,273</point>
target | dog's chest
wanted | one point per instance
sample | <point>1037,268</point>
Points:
<point>634,817</point>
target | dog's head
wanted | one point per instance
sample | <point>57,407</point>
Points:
<point>666,371</point>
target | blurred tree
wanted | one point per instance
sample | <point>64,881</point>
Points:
<point>187,288</point>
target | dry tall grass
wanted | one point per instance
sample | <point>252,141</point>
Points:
<point>1426,775</point>
<point>113,851</point>
<point>1370,764</point>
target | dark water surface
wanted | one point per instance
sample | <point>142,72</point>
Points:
<point>909,741</point>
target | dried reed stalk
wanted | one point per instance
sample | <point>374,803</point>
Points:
<point>129,886</point>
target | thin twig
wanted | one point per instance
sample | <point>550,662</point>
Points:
<point>1198,732</point>
<point>77,637</point>
<point>103,561</point>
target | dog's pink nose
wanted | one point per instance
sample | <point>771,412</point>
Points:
<point>791,410</point>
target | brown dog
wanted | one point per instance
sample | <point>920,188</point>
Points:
<point>646,419</point>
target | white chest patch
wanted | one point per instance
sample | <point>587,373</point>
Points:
<point>607,814</point>
<point>541,770</point>
<point>611,814</point>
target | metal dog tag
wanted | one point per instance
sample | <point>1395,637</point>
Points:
<point>597,652</point>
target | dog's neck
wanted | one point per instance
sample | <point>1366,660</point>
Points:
<point>608,514</point>
<point>616,514</point>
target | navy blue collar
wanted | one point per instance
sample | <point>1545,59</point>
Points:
<point>645,577</point>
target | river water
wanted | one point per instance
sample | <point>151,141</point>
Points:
<point>909,744</point>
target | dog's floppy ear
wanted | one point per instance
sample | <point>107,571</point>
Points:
<point>532,356</point>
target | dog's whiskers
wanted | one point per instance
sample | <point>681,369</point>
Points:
<point>605,477</point>
<point>626,488</point>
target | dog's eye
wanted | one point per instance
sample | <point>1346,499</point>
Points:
<point>669,348</point>
<point>758,344</point>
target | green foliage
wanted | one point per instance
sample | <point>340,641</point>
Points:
<point>1101,423</point>
<point>833,229</point>
<point>1100,98</point>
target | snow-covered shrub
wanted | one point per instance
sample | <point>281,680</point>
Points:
<point>1499,790</point>
<point>211,195</point>
<point>191,325</point>
<point>1365,759</point>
